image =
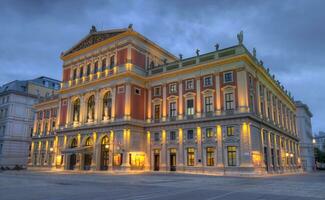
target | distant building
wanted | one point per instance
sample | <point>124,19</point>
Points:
<point>17,115</point>
<point>304,128</point>
<point>320,141</point>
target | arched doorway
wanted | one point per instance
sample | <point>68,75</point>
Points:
<point>104,154</point>
<point>88,155</point>
<point>73,157</point>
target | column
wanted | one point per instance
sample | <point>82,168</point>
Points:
<point>199,146</point>
<point>148,151</point>
<point>149,105</point>
<point>180,149</point>
<point>180,100</point>
<point>198,97</point>
<point>218,95</point>
<point>163,151</point>
<point>95,152</point>
<point>280,154</point>
<point>83,110</point>
<point>275,149</point>
<point>258,98</point>
<point>32,153</point>
<point>242,91</point>
<point>262,147</point>
<point>97,107</point>
<point>220,160</point>
<point>164,103</point>
<point>113,102</point>
<point>127,110</point>
<point>269,155</point>
<point>126,164</point>
<point>245,146</point>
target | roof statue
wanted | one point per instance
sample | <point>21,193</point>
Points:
<point>180,56</point>
<point>261,62</point>
<point>93,29</point>
<point>254,52</point>
<point>240,37</point>
<point>197,52</point>
<point>217,46</point>
<point>130,26</point>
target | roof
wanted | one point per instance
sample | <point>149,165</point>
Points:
<point>305,106</point>
<point>92,38</point>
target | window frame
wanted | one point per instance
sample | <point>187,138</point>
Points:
<point>204,81</point>
<point>187,84</point>
<point>232,156</point>
<point>231,73</point>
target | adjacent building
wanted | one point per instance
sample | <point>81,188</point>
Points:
<point>320,141</point>
<point>128,104</point>
<point>17,116</point>
<point>304,129</point>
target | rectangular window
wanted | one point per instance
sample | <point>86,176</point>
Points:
<point>207,81</point>
<point>172,109</point>
<point>208,132</point>
<point>156,91</point>
<point>137,91</point>
<point>229,98</point>
<point>228,77</point>
<point>120,89</point>
<point>190,157</point>
<point>210,156</point>
<point>81,72</point>
<point>190,134</point>
<point>157,137</point>
<point>208,104</point>
<point>96,67</point>
<point>232,157</point>
<point>172,135</point>
<point>230,131</point>
<point>172,88</point>
<point>157,112</point>
<point>190,107</point>
<point>74,74</point>
<point>189,84</point>
<point>112,62</point>
<point>251,102</point>
<point>88,70</point>
<point>104,64</point>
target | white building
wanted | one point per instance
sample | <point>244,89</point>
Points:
<point>17,115</point>
<point>320,140</point>
<point>304,128</point>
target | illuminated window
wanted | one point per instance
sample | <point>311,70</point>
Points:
<point>208,102</point>
<point>189,84</point>
<point>172,109</point>
<point>172,88</point>
<point>118,159</point>
<point>190,157</point>
<point>208,132</point>
<point>207,81</point>
<point>137,91</point>
<point>230,131</point>
<point>190,134</point>
<point>228,77</point>
<point>229,99</point>
<point>232,157</point>
<point>157,112</point>
<point>210,156</point>
<point>190,107</point>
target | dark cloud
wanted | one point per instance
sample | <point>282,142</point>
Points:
<point>288,35</point>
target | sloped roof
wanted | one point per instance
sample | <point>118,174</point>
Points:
<point>94,37</point>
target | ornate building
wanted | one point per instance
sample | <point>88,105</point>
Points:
<point>128,104</point>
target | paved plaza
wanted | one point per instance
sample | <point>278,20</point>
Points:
<point>95,186</point>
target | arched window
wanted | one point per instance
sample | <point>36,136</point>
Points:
<point>76,110</point>
<point>89,142</point>
<point>74,143</point>
<point>105,140</point>
<point>107,106</point>
<point>91,108</point>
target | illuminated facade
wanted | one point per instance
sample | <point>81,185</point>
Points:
<point>128,104</point>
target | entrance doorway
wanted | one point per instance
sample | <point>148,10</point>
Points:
<point>73,161</point>
<point>156,160</point>
<point>104,156</point>
<point>172,160</point>
<point>87,161</point>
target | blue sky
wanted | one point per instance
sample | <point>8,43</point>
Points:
<point>289,35</point>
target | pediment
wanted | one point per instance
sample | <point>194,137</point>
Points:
<point>93,38</point>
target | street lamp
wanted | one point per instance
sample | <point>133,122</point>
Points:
<point>51,149</point>
<point>106,146</point>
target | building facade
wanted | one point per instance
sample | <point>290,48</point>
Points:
<point>304,129</point>
<point>320,141</point>
<point>17,116</point>
<point>128,104</point>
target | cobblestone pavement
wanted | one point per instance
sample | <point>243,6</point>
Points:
<point>36,185</point>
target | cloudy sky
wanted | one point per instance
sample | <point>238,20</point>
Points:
<point>289,35</point>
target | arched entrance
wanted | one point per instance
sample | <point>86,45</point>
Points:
<point>104,153</point>
<point>73,157</point>
<point>88,155</point>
